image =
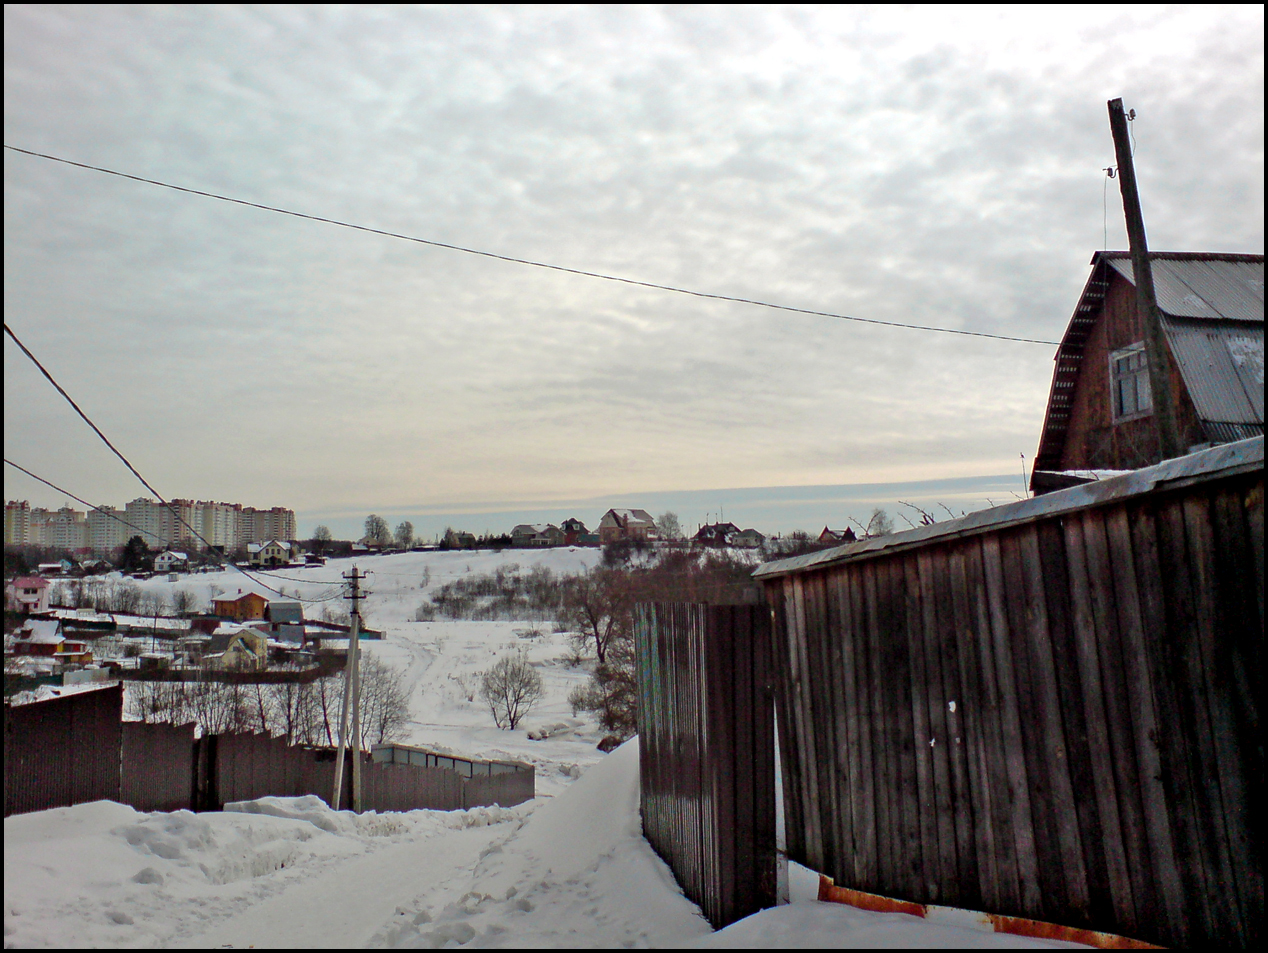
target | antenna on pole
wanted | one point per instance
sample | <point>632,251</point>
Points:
<point>1146,301</point>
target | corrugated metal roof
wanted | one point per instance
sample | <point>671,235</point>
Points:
<point>1227,460</point>
<point>1223,368</point>
<point>1202,285</point>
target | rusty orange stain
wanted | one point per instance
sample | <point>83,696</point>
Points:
<point>1018,926</point>
<point>830,892</point>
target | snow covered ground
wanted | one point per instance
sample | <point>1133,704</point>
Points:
<point>568,869</point>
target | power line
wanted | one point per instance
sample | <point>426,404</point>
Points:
<point>526,261</point>
<point>126,462</point>
<point>102,509</point>
<point>214,554</point>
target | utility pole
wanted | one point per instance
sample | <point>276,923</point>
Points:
<point>1146,301</point>
<point>351,699</point>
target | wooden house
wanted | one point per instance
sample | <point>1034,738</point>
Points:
<point>1100,413</point>
<point>27,594</point>
<point>237,650</point>
<point>245,605</point>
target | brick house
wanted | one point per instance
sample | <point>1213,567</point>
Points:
<point>618,524</point>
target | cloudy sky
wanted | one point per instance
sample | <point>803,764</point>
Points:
<point>934,166</point>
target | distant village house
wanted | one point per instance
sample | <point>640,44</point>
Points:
<point>240,608</point>
<point>619,524</point>
<point>275,552</point>
<point>27,594</point>
<point>538,535</point>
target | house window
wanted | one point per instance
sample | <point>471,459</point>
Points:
<point>1129,383</point>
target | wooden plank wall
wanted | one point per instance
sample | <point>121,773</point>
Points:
<point>706,752</point>
<point>1058,720</point>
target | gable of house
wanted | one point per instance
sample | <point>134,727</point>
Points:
<point>1099,413</point>
<point>621,523</point>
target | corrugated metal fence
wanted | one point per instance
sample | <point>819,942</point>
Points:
<point>63,751</point>
<point>707,752</point>
<point>74,749</point>
<point>1049,710</point>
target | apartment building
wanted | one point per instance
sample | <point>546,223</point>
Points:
<point>225,526</point>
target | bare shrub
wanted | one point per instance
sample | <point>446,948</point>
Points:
<point>510,689</point>
<point>384,702</point>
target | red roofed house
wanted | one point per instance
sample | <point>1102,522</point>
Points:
<point>27,594</point>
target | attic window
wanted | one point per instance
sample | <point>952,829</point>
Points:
<point>1129,383</point>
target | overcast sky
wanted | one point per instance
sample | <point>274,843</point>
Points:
<point>937,166</point>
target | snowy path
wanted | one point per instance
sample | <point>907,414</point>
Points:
<point>353,901</point>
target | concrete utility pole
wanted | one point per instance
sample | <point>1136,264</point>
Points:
<point>351,699</point>
<point>1146,302</point>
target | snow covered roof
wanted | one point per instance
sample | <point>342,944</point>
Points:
<point>42,632</point>
<point>622,515</point>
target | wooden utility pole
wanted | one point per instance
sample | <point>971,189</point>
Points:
<point>351,700</point>
<point>1164,409</point>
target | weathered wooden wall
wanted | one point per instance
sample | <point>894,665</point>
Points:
<point>1057,719</point>
<point>707,751</point>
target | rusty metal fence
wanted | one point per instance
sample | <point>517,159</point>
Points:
<point>157,766</point>
<point>707,752</point>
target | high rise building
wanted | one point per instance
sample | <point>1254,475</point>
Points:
<point>17,523</point>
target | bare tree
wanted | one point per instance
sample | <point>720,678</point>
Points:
<point>510,689</point>
<point>597,605</point>
<point>667,526</point>
<point>184,602</point>
<point>384,702</point>
<point>404,534</point>
<point>376,530</point>
<point>321,539</point>
<point>880,524</point>
<point>326,696</point>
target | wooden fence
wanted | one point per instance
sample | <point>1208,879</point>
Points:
<point>74,749</point>
<point>707,752</point>
<point>1048,710</point>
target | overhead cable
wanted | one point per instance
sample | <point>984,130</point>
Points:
<point>527,261</point>
<point>215,555</point>
<point>126,462</point>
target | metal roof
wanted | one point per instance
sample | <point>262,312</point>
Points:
<point>1230,459</point>
<point>1202,285</point>
<point>1222,364</point>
